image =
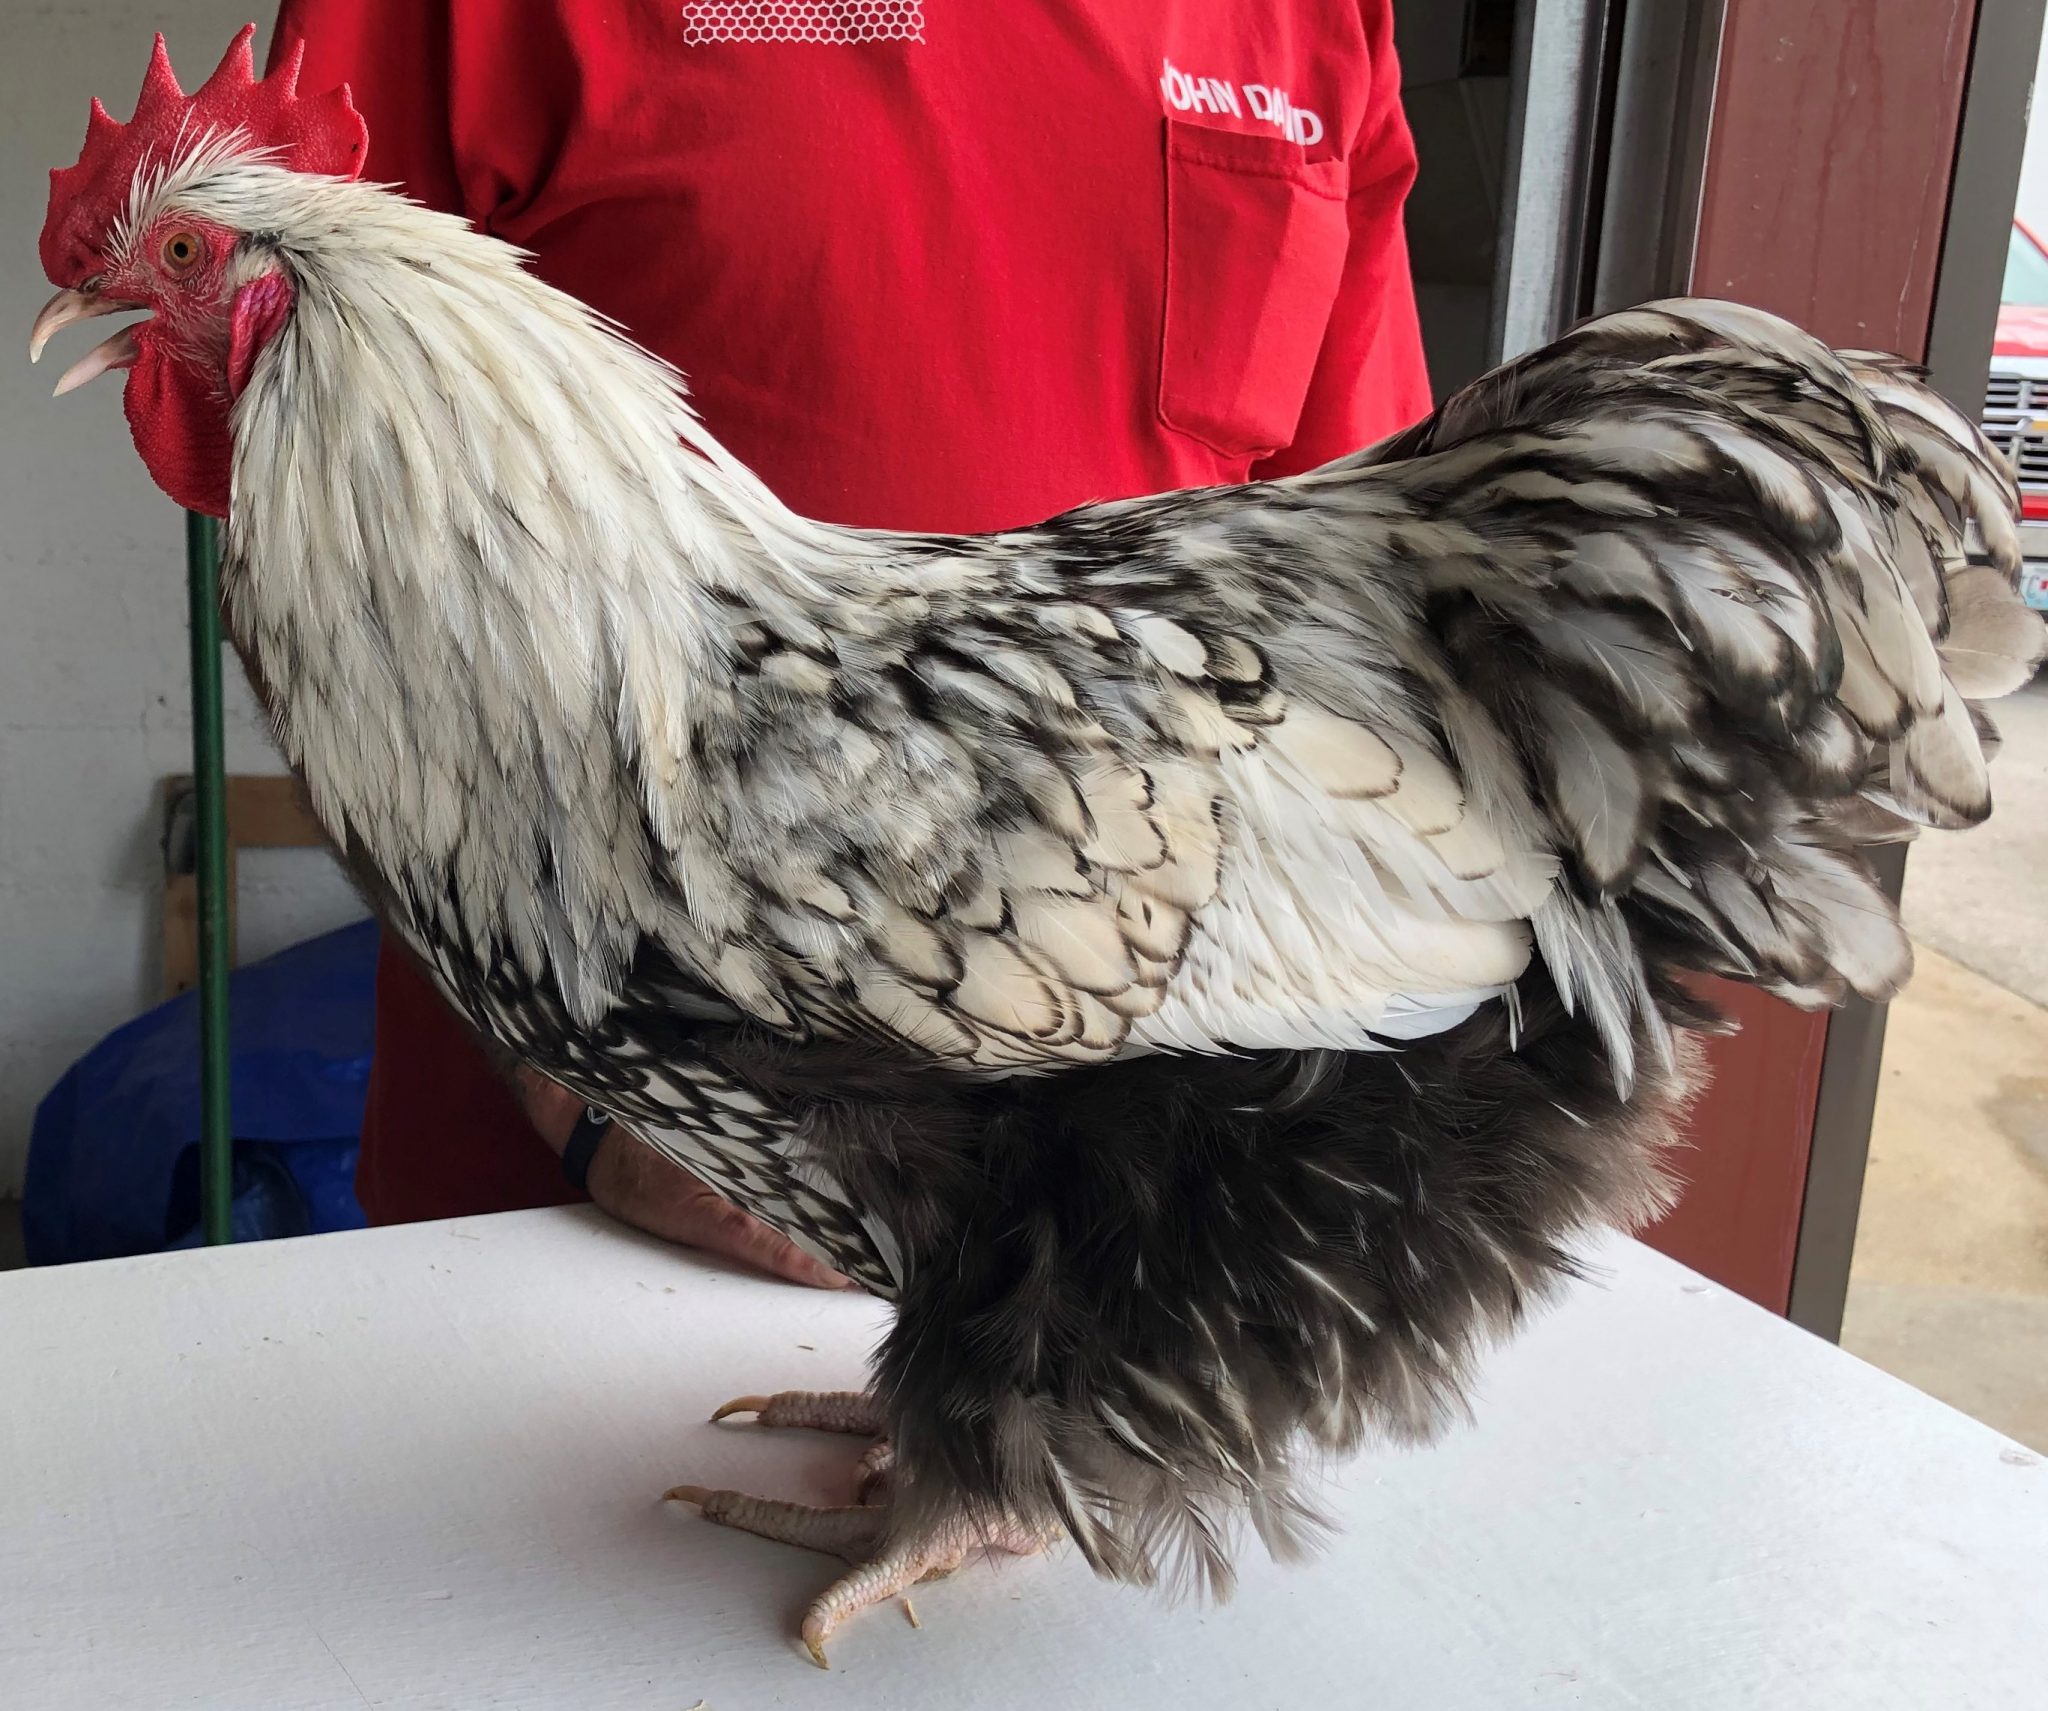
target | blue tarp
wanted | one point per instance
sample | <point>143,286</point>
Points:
<point>113,1164</point>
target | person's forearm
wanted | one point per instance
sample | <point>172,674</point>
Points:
<point>642,1187</point>
<point>551,1108</point>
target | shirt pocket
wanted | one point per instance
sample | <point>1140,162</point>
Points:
<point>1255,243</point>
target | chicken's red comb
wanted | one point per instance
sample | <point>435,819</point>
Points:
<point>320,133</point>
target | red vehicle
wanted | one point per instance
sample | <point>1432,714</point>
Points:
<point>2016,398</point>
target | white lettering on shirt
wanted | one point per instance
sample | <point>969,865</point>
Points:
<point>1269,103</point>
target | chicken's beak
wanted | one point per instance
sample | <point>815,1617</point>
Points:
<point>120,351</point>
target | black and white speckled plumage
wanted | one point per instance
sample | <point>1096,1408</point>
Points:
<point>1203,956</point>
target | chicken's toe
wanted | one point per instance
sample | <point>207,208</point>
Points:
<point>894,1572</point>
<point>882,1567</point>
<point>853,1411</point>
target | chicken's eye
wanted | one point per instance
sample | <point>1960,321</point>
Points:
<point>180,252</point>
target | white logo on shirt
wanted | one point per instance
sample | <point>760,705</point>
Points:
<point>842,22</point>
<point>1186,93</point>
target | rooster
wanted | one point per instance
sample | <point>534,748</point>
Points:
<point>1203,958</point>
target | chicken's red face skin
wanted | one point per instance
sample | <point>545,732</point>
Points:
<point>193,355</point>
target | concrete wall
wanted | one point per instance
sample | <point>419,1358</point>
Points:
<point>93,663</point>
<point>2033,201</point>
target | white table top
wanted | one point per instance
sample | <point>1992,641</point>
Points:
<point>421,1467</point>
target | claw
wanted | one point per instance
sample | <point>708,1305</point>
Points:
<point>686,1494</point>
<point>739,1405</point>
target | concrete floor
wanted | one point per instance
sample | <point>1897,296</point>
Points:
<point>1982,896</point>
<point>1949,1289</point>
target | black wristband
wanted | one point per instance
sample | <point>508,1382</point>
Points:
<point>591,1129</point>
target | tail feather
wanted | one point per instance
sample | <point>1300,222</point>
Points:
<point>1993,641</point>
<point>1736,632</point>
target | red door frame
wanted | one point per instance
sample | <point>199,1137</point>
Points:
<point>1828,168</point>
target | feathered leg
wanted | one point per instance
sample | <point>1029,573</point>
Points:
<point>1129,1298</point>
<point>1134,1300</point>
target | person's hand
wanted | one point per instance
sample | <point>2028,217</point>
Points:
<point>650,1191</point>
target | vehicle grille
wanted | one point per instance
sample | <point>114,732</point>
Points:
<point>2013,402</point>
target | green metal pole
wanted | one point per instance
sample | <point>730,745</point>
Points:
<point>209,785</point>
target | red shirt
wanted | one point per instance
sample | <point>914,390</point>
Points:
<point>947,264</point>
